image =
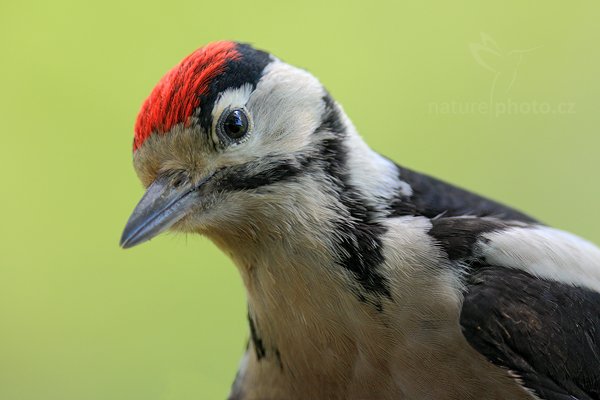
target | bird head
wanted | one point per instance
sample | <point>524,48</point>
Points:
<point>221,139</point>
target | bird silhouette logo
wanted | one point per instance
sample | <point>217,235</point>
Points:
<point>503,64</point>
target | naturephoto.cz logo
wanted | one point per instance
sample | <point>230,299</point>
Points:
<point>504,68</point>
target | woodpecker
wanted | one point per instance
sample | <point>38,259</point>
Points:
<point>364,279</point>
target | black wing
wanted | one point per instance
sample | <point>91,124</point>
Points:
<point>432,197</point>
<point>547,332</point>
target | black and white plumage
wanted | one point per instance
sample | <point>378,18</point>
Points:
<point>365,280</point>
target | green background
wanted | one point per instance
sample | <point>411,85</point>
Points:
<point>82,319</point>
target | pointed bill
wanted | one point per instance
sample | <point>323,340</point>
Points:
<point>161,207</point>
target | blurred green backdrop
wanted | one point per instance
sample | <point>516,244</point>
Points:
<point>503,99</point>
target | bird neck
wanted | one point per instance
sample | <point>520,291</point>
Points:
<point>302,300</point>
<point>311,257</point>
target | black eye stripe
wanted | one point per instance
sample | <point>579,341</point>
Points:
<point>246,177</point>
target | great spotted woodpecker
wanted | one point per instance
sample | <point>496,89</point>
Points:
<point>365,280</point>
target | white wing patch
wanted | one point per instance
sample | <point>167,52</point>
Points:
<point>544,252</point>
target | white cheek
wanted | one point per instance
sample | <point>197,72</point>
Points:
<point>286,107</point>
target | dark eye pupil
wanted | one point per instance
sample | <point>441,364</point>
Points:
<point>236,124</point>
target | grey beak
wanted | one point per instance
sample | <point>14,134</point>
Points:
<point>159,209</point>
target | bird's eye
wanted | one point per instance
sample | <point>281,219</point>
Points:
<point>235,124</point>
